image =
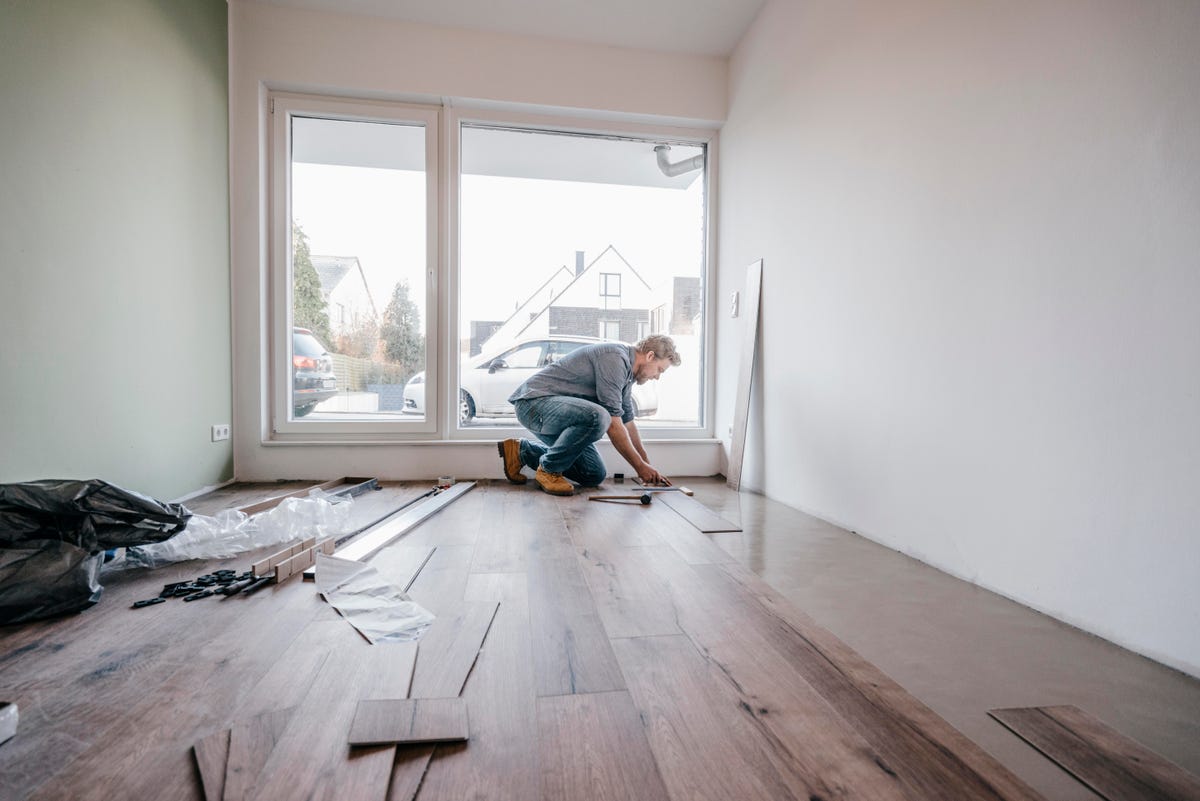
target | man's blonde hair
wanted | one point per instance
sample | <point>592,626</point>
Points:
<point>662,346</point>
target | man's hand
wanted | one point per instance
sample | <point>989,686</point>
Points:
<point>651,477</point>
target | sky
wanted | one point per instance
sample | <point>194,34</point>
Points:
<point>514,232</point>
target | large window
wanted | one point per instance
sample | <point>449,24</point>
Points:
<point>354,313</point>
<point>411,294</point>
<point>574,238</point>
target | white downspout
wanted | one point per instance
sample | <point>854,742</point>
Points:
<point>679,168</point>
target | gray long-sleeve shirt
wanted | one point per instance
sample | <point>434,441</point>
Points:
<point>601,373</point>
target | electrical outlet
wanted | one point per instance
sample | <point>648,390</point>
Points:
<point>220,432</point>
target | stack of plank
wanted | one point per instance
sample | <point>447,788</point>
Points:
<point>346,719</point>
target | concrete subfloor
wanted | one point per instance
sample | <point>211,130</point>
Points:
<point>960,649</point>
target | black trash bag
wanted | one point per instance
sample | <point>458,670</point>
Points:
<point>53,534</point>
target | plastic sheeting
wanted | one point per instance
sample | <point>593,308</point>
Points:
<point>231,532</point>
<point>53,534</point>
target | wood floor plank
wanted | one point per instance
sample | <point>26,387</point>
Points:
<point>409,720</point>
<point>630,598</point>
<point>311,759</point>
<point>1113,765</point>
<point>707,741</point>
<point>449,649</point>
<point>571,652</point>
<point>250,745</point>
<point>500,763</point>
<point>612,762</point>
<point>754,653</point>
<point>516,526</point>
<point>408,771</point>
<point>401,564</point>
<point>212,755</point>
<point>146,752</point>
<point>696,513</point>
<point>500,587</point>
<point>442,583</point>
<point>927,756</point>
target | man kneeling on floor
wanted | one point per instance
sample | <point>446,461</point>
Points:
<point>572,403</point>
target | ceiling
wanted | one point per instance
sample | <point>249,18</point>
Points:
<point>702,27</point>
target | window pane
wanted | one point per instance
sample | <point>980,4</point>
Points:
<point>358,270</point>
<point>578,239</point>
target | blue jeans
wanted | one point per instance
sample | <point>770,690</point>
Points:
<point>569,426</point>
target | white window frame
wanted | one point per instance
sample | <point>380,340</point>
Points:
<point>454,119</point>
<point>283,108</point>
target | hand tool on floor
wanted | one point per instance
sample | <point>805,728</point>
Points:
<point>644,498</point>
<point>654,488</point>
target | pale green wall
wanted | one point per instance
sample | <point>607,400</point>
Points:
<point>114,242</point>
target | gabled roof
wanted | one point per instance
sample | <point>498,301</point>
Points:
<point>575,281</point>
<point>332,270</point>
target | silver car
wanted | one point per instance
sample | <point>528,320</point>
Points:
<point>489,378</point>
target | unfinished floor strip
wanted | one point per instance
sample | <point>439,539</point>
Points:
<point>348,486</point>
<point>374,540</point>
<point>449,649</point>
<point>409,720</point>
<point>1113,765</point>
<point>212,754</point>
<point>697,513</point>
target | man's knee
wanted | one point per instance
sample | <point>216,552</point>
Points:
<point>601,421</point>
<point>592,475</point>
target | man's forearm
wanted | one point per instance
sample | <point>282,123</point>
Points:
<point>621,440</point>
<point>632,430</point>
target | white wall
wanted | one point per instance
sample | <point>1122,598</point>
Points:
<point>981,326</point>
<point>341,54</point>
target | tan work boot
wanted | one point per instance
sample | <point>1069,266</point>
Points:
<point>553,483</point>
<point>510,452</point>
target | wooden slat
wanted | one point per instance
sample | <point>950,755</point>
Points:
<point>212,754</point>
<point>409,720</point>
<point>449,648</point>
<point>250,745</point>
<point>630,598</point>
<point>612,762</point>
<point>311,759</point>
<point>741,412</point>
<point>267,563</point>
<point>571,652</point>
<point>501,761</point>
<point>928,757</point>
<point>371,541</point>
<point>272,502</point>
<point>1115,766</point>
<point>401,564</point>
<point>706,738</point>
<point>699,515</point>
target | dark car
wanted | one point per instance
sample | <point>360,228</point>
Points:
<point>313,380</point>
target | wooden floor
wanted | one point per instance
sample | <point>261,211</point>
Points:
<point>629,657</point>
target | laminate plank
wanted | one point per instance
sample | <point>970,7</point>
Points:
<point>501,762</point>
<point>250,745</point>
<point>311,759</point>
<point>146,752</point>
<point>456,524</point>
<point>362,548</point>
<point>401,564</point>
<point>571,652</point>
<point>754,653</point>
<point>449,649</point>
<point>1113,765</point>
<point>630,598</point>
<point>925,755</point>
<point>212,754</point>
<point>239,494</point>
<point>517,525</point>
<point>612,762</point>
<point>442,583</point>
<point>741,411</point>
<point>409,720</point>
<point>707,742</point>
<point>696,513</point>
<point>408,771</point>
<point>504,588</point>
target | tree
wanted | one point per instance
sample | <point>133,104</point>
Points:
<point>308,304</point>
<point>403,342</point>
<point>360,339</point>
